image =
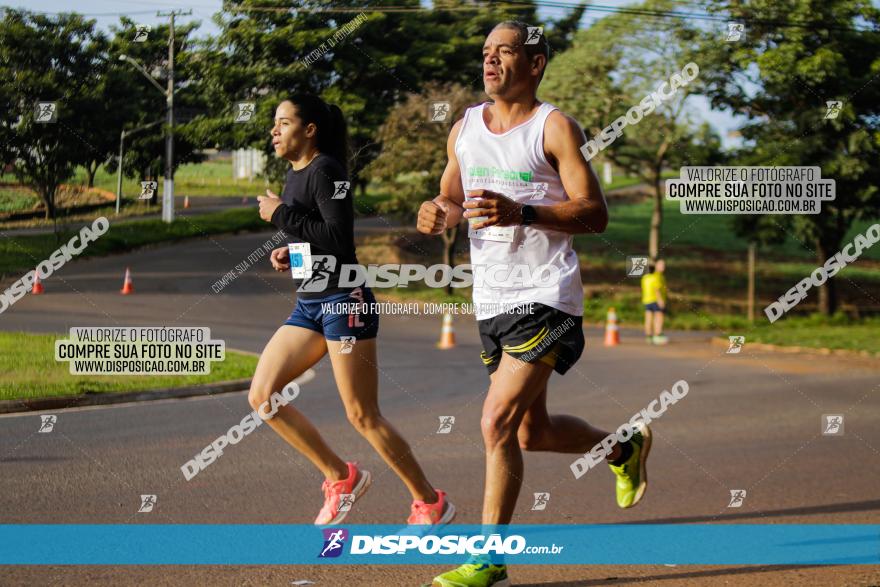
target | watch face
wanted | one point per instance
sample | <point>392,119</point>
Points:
<point>528,215</point>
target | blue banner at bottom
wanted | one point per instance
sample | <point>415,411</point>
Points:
<point>631,544</point>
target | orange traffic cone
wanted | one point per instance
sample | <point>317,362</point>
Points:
<point>447,333</point>
<point>127,287</point>
<point>612,332</point>
<point>38,286</point>
<point>186,201</point>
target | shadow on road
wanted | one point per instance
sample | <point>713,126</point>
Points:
<point>35,459</point>
<point>671,576</point>
<point>833,508</point>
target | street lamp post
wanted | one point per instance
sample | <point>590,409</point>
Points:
<point>168,191</point>
<point>122,135</point>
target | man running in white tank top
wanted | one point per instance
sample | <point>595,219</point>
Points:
<point>517,174</point>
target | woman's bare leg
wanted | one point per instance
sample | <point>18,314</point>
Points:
<point>357,380</point>
<point>288,354</point>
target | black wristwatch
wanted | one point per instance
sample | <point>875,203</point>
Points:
<point>529,215</point>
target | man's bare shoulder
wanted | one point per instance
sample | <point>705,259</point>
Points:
<point>456,126</point>
<point>560,123</point>
<point>453,134</point>
<point>562,134</point>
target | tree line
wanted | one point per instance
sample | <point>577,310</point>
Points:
<point>385,68</point>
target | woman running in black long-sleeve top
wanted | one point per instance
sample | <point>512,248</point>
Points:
<point>317,211</point>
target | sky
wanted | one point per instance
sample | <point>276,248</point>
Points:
<point>107,12</point>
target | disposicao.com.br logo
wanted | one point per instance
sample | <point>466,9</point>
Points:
<point>334,542</point>
<point>397,275</point>
<point>450,544</point>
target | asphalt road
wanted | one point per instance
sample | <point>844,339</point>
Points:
<point>750,421</point>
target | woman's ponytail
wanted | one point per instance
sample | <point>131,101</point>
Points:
<point>336,142</point>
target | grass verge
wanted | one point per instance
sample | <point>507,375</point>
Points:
<point>813,330</point>
<point>28,370</point>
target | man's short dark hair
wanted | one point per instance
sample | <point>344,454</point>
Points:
<point>539,48</point>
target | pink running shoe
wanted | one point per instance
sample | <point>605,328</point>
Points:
<point>339,496</point>
<point>432,514</point>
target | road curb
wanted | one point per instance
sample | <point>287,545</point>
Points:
<point>13,406</point>
<point>100,399</point>
<point>799,349</point>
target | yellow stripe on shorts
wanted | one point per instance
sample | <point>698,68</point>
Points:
<point>530,344</point>
<point>550,358</point>
<point>486,360</point>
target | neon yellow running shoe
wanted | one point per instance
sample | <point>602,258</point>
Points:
<point>632,477</point>
<point>477,572</point>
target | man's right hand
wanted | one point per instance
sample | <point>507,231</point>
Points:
<point>280,258</point>
<point>432,218</point>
